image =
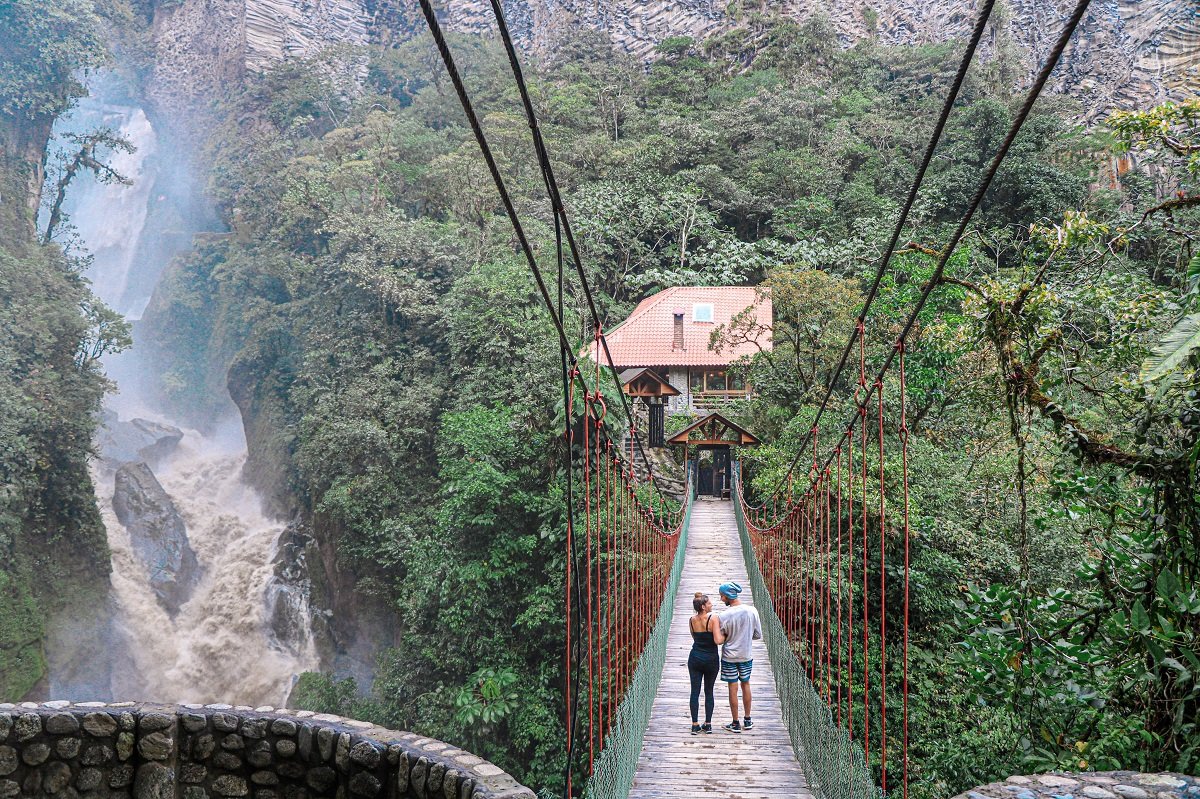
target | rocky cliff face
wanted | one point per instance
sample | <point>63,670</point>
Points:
<point>202,46</point>
<point>1130,52</point>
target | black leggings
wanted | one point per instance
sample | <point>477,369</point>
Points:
<point>706,669</point>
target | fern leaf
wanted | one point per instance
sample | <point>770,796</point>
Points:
<point>1174,348</point>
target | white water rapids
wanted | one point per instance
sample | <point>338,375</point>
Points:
<point>219,646</point>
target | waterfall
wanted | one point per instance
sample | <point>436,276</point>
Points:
<point>110,218</point>
<point>224,642</point>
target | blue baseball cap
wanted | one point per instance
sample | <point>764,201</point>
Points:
<point>730,590</point>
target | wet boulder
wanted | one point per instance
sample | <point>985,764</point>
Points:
<point>157,533</point>
<point>293,620</point>
<point>134,440</point>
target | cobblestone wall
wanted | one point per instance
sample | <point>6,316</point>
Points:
<point>116,751</point>
<point>1091,785</point>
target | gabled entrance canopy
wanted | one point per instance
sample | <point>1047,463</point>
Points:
<point>647,383</point>
<point>714,430</point>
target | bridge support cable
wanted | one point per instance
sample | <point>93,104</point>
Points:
<point>638,550</point>
<point>628,553</point>
<point>985,13</point>
<point>810,571</point>
<point>563,227</point>
<point>647,522</point>
<point>981,190</point>
<point>631,556</point>
<point>806,559</point>
<point>834,764</point>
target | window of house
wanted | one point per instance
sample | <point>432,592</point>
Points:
<point>702,312</point>
<point>714,380</point>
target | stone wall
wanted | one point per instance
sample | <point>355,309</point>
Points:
<point>144,751</point>
<point>1091,785</point>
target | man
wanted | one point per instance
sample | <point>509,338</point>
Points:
<point>742,627</point>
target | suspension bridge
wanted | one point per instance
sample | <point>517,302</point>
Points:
<point>758,764</point>
<point>825,552</point>
<point>636,560</point>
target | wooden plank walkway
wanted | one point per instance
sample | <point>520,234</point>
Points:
<point>758,764</point>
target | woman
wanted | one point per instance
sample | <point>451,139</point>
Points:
<point>704,662</point>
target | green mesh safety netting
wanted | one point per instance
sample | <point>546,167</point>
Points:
<point>612,776</point>
<point>834,764</point>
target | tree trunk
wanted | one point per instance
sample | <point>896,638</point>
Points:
<point>23,154</point>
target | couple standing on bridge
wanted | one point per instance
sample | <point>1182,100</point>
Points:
<point>735,631</point>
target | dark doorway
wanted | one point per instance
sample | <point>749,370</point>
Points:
<point>713,471</point>
<point>658,426</point>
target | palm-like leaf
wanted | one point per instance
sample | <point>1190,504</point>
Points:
<point>1174,348</point>
<point>1193,270</point>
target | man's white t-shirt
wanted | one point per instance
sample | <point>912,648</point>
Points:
<point>742,627</point>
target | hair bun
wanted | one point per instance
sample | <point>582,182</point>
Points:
<point>697,595</point>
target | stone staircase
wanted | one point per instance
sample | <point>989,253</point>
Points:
<point>668,474</point>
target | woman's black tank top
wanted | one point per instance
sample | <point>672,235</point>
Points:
<point>702,642</point>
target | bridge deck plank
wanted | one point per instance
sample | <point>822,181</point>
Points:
<point>758,764</point>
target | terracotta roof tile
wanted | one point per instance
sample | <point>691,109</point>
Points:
<point>647,337</point>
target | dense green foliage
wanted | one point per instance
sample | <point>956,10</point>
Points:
<point>45,47</point>
<point>400,376</point>
<point>50,390</point>
<point>1053,505</point>
<point>52,332</point>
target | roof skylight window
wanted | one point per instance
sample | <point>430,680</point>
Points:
<point>702,312</point>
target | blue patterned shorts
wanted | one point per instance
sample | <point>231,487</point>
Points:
<point>736,672</point>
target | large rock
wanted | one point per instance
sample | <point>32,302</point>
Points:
<point>1127,53</point>
<point>122,442</point>
<point>289,593</point>
<point>158,534</point>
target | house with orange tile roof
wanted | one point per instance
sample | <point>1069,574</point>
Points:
<point>669,333</point>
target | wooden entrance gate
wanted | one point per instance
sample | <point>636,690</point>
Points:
<point>711,439</point>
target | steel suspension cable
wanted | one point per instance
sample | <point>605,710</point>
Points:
<point>810,529</point>
<point>561,212</point>
<point>871,393</point>
<point>460,89</point>
<point>866,614</point>
<point>850,589</point>
<point>935,138</point>
<point>882,597</point>
<point>981,190</point>
<point>587,515</point>
<point>828,594</point>
<point>904,467</point>
<point>839,666</point>
<point>570,686</point>
<point>572,376</point>
<point>568,392</point>
<point>518,228</point>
